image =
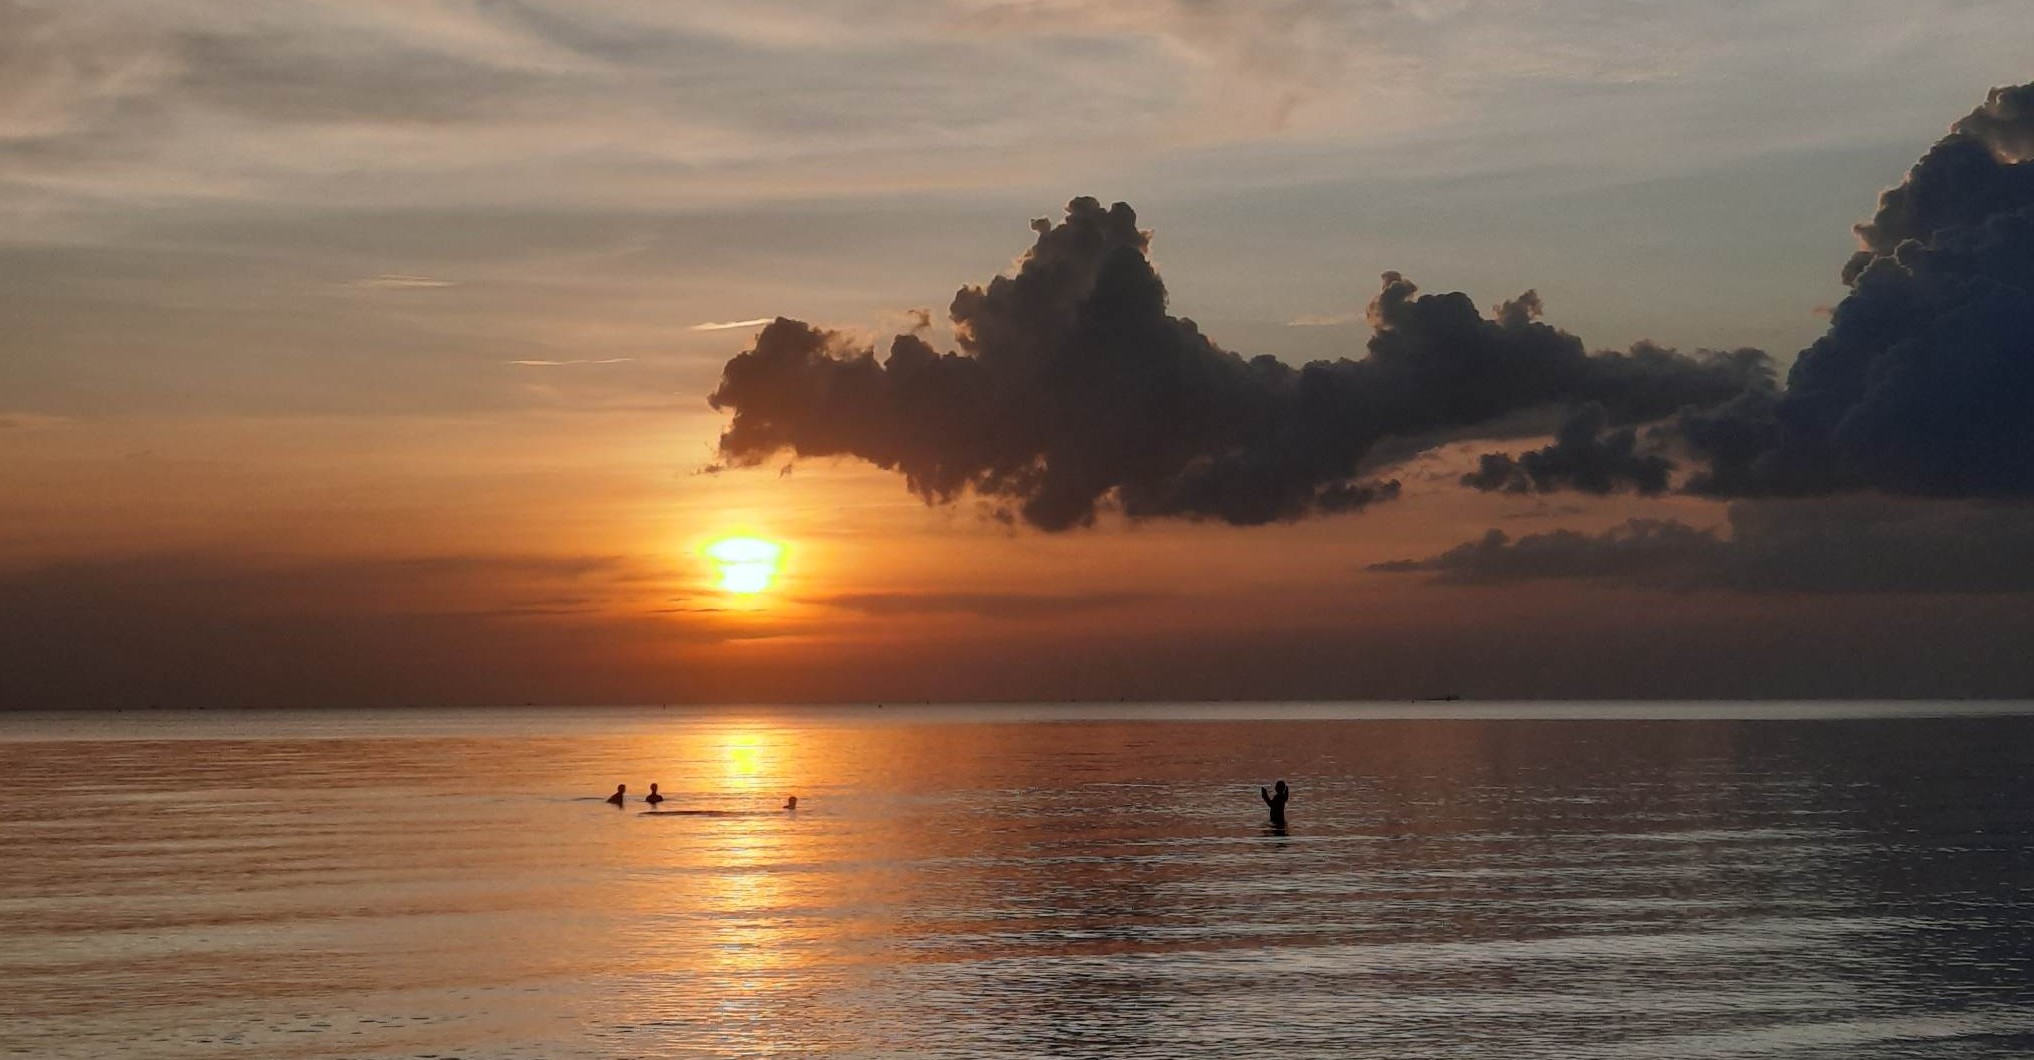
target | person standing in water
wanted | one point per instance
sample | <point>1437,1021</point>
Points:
<point>619,796</point>
<point>653,798</point>
<point>1275,799</point>
<point>791,804</point>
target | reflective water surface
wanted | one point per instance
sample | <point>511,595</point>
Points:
<point>1017,883</point>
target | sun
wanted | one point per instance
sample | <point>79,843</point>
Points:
<point>747,564</point>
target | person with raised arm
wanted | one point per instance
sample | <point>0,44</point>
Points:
<point>1275,799</point>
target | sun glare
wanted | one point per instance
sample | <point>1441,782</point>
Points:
<point>747,564</point>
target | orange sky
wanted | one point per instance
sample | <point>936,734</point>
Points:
<point>558,563</point>
<point>358,353</point>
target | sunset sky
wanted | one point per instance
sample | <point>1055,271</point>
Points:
<point>361,352</point>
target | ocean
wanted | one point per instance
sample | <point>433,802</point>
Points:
<point>1832,881</point>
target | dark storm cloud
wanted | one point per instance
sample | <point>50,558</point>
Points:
<point>1074,389</point>
<point>1587,455</point>
<point>1924,382</point>
<point>2005,122</point>
<point>1969,175</point>
<point>1841,545</point>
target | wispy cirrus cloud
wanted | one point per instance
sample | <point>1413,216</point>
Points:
<point>401,281</point>
<point>571,363</point>
<point>984,604</point>
<point>731,325</point>
<point>25,421</point>
<point>518,101</point>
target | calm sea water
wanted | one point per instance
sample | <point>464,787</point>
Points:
<point>1714,882</point>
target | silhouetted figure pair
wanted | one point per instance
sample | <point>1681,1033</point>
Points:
<point>621,796</point>
<point>654,798</point>
<point>1275,798</point>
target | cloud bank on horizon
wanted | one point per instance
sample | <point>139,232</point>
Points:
<point>1822,546</point>
<point>1075,390</point>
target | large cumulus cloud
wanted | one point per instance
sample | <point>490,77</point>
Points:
<point>1075,389</point>
<point>1924,382</point>
<point>1918,402</point>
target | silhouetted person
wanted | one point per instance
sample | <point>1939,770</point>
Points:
<point>653,798</point>
<point>791,804</point>
<point>1275,799</point>
<point>620,792</point>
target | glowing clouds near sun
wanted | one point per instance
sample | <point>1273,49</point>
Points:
<point>745,565</point>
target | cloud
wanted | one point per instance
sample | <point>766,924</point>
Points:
<point>212,629</point>
<point>1330,320</point>
<point>483,104</point>
<point>1586,455</point>
<point>1968,176</point>
<point>1075,390</point>
<point>348,71</point>
<point>1924,382</point>
<point>1647,550</point>
<point>29,421</point>
<point>732,325</point>
<point>1840,545</point>
<point>251,586</point>
<point>510,102</point>
<point>396,281</point>
<point>64,74</point>
<point>1014,606</point>
<point>571,363</point>
<point>1270,63</point>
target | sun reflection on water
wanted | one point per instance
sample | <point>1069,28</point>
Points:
<point>746,755</point>
<point>730,924</point>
